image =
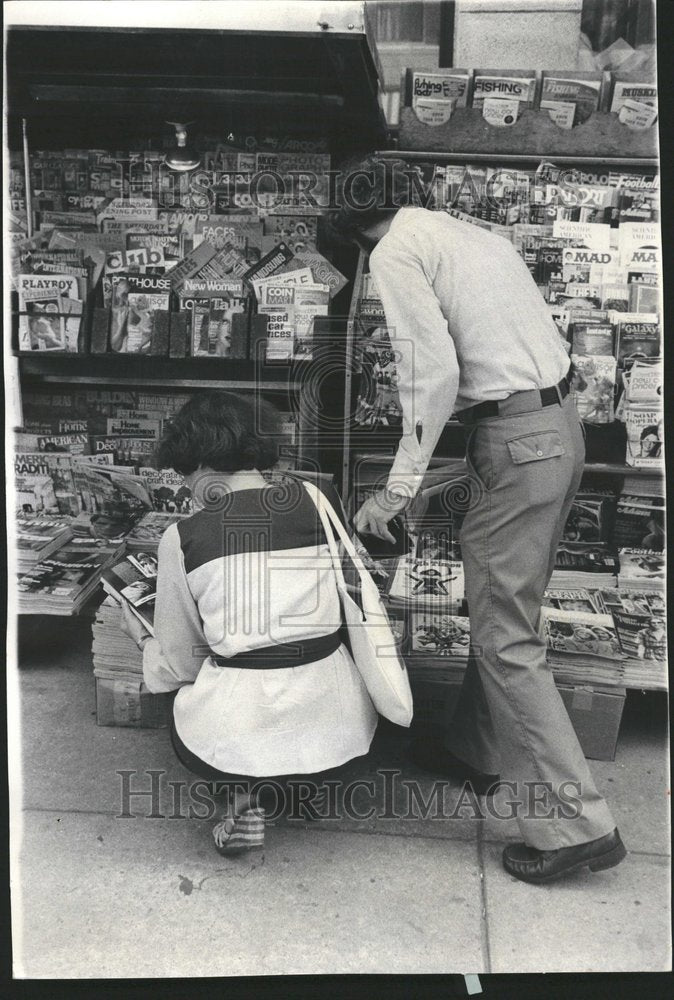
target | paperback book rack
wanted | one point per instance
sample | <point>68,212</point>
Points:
<point>533,134</point>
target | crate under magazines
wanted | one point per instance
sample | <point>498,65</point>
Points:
<point>595,714</point>
<point>124,700</point>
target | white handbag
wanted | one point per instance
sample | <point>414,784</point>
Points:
<point>373,645</point>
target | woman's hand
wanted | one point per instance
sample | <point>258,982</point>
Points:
<point>373,567</point>
<point>134,628</point>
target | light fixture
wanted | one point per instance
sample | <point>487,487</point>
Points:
<point>181,157</point>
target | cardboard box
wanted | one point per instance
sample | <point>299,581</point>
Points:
<point>123,700</point>
<point>595,713</point>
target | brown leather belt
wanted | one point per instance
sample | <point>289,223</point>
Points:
<point>288,654</point>
<point>550,396</point>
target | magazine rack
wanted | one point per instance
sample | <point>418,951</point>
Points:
<point>301,84</point>
<point>368,456</point>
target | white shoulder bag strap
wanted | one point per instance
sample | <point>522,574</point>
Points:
<point>332,525</point>
<point>373,645</point>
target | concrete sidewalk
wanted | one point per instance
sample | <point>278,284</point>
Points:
<point>100,896</point>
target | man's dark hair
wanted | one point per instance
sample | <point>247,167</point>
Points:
<point>367,191</point>
<point>222,431</point>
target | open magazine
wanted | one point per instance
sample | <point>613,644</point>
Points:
<point>106,489</point>
<point>134,582</point>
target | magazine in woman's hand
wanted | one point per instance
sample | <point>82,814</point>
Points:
<point>134,581</point>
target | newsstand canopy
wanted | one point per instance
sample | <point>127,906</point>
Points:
<point>97,70</point>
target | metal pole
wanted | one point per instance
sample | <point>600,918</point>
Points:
<point>26,173</point>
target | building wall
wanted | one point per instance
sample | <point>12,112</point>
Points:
<point>517,34</point>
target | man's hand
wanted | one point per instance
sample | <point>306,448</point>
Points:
<point>375,514</point>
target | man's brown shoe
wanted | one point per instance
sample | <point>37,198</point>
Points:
<point>539,867</point>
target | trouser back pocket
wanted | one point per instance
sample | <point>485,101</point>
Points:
<point>535,447</point>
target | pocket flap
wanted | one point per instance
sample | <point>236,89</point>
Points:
<point>535,447</point>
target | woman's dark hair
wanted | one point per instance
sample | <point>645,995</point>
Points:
<point>367,191</point>
<point>221,431</point>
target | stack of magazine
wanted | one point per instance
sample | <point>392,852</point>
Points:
<point>39,537</point>
<point>63,582</point>
<point>582,643</point>
<point>122,698</point>
<point>608,635</point>
<point>147,533</point>
<point>583,564</point>
<point>113,650</point>
<point>641,568</point>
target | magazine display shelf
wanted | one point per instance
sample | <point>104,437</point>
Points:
<point>516,159</point>
<point>139,369</point>
<point>289,80</point>
<point>534,133</point>
<point>419,147</point>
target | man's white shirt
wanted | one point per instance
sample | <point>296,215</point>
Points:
<point>467,322</point>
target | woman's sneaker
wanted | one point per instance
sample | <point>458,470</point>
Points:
<point>238,834</point>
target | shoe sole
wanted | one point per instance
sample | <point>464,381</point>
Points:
<point>601,863</point>
<point>238,849</point>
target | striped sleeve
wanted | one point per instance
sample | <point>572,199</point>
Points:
<point>175,655</point>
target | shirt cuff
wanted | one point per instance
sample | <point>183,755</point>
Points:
<point>156,673</point>
<point>406,475</point>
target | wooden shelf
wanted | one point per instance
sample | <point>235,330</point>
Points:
<point>534,134</point>
<point>616,469</point>
<point>120,369</point>
<point>601,468</point>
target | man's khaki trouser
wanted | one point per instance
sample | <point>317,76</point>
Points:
<point>510,718</point>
